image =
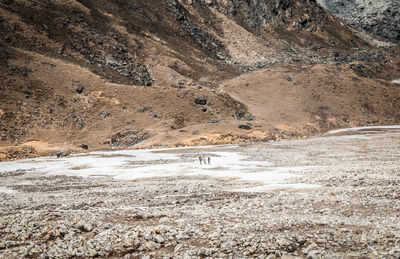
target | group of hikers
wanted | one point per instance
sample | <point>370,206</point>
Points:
<point>203,160</point>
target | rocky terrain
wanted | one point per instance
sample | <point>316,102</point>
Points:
<point>85,75</point>
<point>380,18</point>
<point>352,210</point>
<point>127,74</point>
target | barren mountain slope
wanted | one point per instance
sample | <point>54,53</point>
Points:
<point>314,98</point>
<point>117,74</point>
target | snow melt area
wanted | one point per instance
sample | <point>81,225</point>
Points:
<point>396,81</point>
<point>6,190</point>
<point>140,164</point>
<point>364,129</point>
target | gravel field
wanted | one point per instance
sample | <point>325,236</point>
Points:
<point>330,196</point>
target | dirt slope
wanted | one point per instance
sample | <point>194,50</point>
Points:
<point>118,74</point>
<point>314,98</point>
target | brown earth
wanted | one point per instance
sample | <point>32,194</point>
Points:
<point>314,98</point>
<point>126,74</point>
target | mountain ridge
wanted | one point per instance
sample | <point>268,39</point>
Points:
<point>127,74</point>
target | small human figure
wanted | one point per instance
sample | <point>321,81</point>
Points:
<point>201,159</point>
<point>209,160</point>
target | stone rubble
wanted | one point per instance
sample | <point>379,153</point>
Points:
<point>353,214</point>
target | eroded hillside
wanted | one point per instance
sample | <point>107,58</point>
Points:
<point>117,74</point>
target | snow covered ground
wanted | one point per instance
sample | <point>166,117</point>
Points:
<point>365,129</point>
<point>226,163</point>
<point>140,164</point>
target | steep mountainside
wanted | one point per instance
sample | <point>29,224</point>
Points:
<point>120,73</point>
<point>381,18</point>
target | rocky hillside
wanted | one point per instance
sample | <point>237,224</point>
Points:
<point>117,74</point>
<point>380,18</point>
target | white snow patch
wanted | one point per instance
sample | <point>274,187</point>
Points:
<point>281,187</point>
<point>6,190</point>
<point>25,183</point>
<point>366,128</point>
<point>140,164</point>
<point>396,81</point>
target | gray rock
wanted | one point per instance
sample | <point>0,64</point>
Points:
<point>163,220</point>
<point>108,226</point>
<point>110,62</point>
<point>178,248</point>
<point>83,226</point>
<point>128,241</point>
<point>92,253</point>
<point>252,249</point>
<point>79,89</point>
<point>200,101</point>
<point>309,248</point>
<point>313,254</point>
<point>249,117</point>
<point>159,239</point>
<point>104,114</point>
<point>152,246</point>
<point>244,126</point>
<point>62,154</point>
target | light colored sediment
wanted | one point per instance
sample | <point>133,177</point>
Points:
<point>353,211</point>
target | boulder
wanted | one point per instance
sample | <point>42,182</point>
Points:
<point>84,227</point>
<point>104,114</point>
<point>244,126</point>
<point>62,154</point>
<point>200,100</point>
<point>79,89</point>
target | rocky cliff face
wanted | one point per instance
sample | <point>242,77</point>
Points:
<point>257,33</point>
<point>380,18</point>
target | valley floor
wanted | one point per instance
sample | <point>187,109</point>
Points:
<point>331,196</point>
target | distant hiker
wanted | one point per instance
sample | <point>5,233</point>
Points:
<point>201,159</point>
<point>209,160</point>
